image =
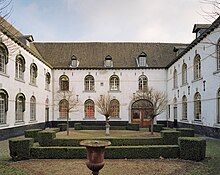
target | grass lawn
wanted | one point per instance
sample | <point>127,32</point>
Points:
<point>209,166</point>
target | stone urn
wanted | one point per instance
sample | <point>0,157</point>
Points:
<point>95,154</point>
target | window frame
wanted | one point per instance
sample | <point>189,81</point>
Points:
<point>218,54</point>
<point>142,83</point>
<point>175,79</point>
<point>197,106</point>
<point>184,74</point>
<point>115,108</point>
<point>19,108</point>
<point>33,74</point>
<point>63,109</point>
<point>184,107</point>
<point>3,58</point>
<point>89,109</point>
<point>197,67</point>
<point>32,108</point>
<point>64,83</point>
<point>3,106</point>
<point>19,67</point>
<point>114,83</point>
<point>89,83</point>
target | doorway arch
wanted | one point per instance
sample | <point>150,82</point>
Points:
<point>141,110</point>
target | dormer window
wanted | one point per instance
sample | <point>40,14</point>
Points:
<point>142,60</point>
<point>108,61</point>
<point>74,62</point>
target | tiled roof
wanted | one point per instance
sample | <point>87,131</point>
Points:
<point>92,54</point>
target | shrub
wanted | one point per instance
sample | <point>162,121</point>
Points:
<point>142,152</point>
<point>103,127</point>
<point>156,128</point>
<point>46,137</point>
<point>58,152</point>
<point>167,128</point>
<point>186,132</point>
<point>62,126</point>
<point>32,133</point>
<point>192,148</point>
<point>77,126</point>
<point>20,148</point>
<point>53,129</point>
<point>134,127</point>
<point>170,137</point>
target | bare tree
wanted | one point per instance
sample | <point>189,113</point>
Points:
<point>68,101</point>
<point>103,103</point>
<point>158,100</point>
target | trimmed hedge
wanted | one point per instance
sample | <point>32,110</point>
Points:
<point>186,132</point>
<point>192,148</point>
<point>103,127</point>
<point>156,128</point>
<point>62,126</point>
<point>133,127</point>
<point>170,137</point>
<point>78,126</point>
<point>45,137</point>
<point>32,133</point>
<point>53,129</point>
<point>112,152</point>
<point>20,148</point>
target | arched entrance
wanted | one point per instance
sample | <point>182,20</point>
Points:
<point>141,111</point>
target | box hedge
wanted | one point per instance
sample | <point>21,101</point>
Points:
<point>156,127</point>
<point>186,132</point>
<point>32,133</point>
<point>78,126</point>
<point>192,148</point>
<point>45,137</point>
<point>20,148</point>
<point>133,127</point>
<point>62,126</point>
<point>170,137</point>
<point>112,152</point>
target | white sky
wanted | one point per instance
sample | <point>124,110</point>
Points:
<point>109,20</point>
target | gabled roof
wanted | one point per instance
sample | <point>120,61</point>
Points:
<point>211,28</point>
<point>92,54</point>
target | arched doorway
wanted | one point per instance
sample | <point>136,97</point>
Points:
<point>141,111</point>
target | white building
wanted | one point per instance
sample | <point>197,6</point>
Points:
<point>31,74</point>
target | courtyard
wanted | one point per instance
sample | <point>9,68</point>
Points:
<point>112,166</point>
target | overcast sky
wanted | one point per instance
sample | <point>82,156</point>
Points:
<point>109,20</point>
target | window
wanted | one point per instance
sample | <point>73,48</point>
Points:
<point>197,106</point>
<point>218,106</point>
<point>3,58</point>
<point>175,85</point>
<point>74,62</point>
<point>114,83</point>
<point>184,74</point>
<point>115,108</point>
<point>19,107</point>
<point>89,83</point>
<point>218,55</point>
<point>184,108</point>
<point>63,109</point>
<point>197,67</point>
<point>175,108</point>
<point>89,109</point>
<point>3,106</point>
<point>33,74</point>
<point>108,61</point>
<point>47,81</point>
<point>32,108</point>
<point>142,60</point>
<point>142,83</point>
<point>19,67</point>
<point>64,83</point>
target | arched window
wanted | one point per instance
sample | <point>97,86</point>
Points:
<point>108,61</point>
<point>175,85</point>
<point>63,109</point>
<point>47,110</point>
<point>74,62</point>
<point>47,81</point>
<point>142,83</point>
<point>142,60</point>
<point>184,74</point>
<point>218,55</point>
<point>33,108</point>
<point>197,106</point>
<point>89,83</point>
<point>33,74</point>
<point>64,83</point>
<point>115,108</point>
<point>19,107</point>
<point>197,67</point>
<point>89,109</point>
<point>184,108</point>
<point>19,67</point>
<point>3,106</point>
<point>175,108</point>
<point>218,105</point>
<point>3,57</point>
<point>114,83</point>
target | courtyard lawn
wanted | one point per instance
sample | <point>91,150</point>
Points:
<point>209,166</point>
